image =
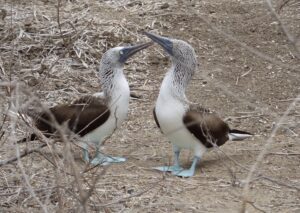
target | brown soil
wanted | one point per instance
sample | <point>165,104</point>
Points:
<point>251,92</point>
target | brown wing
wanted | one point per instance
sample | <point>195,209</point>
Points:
<point>83,116</point>
<point>207,127</point>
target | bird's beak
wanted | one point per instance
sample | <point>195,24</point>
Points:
<point>127,52</point>
<point>166,43</point>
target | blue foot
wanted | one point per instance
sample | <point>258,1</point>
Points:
<point>86,155</point>
<point>184,173</point>
<point>169,168</point>
<point>188,172</point>
<point>106,160</point>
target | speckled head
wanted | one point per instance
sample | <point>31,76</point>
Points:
<point>183,59</point>
<point>114,58</point>
<point>179,50</point>
<point>117,56</point>
<point>110,71</point>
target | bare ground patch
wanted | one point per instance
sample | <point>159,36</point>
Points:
<point>52,55</point>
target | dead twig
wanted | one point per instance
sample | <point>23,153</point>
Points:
<point>280,183</point>
<point>58,21</point>
<point>23,154</point>
<point>283,27</point>
<point>152,186</point>
<point>256,207</point>
<point>235,40</point>
<point>20,164</point>
<point>263,153</point>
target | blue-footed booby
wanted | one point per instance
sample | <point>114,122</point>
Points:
<point>186,125</point>
<point>94,118</point>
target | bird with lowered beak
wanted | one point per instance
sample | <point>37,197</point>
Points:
<point>186,125</point>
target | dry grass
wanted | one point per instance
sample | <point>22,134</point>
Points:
<point>49,51</point>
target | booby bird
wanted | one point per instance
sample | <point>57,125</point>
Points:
<point>94,118</point>
<point>186,125</point>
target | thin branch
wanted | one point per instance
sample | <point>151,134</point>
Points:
<point>263,153</point>
<point>297,188</point>
<point>22,154</point>
<point>58,21</point>
<point>256,207</point>
<point>291,39</point>
<point>152,186</point>
<point>20,164</point>
<point>235,40</point>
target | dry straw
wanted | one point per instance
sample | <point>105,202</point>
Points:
<point>44,42</point>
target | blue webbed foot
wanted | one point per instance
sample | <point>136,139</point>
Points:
<point>168,168</point>
<point>189,172</point>
<point>86,155</point>
<point>176,166</point>
<point>106,160</point>
<point>184,173</point>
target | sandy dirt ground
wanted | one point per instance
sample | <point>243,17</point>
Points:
<point>248,72</point>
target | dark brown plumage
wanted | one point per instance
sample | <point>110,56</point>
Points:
<point>204,125</point>
<point>82,116</point>
<point>207,127</point>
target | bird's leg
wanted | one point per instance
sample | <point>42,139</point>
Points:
<point>189,172</point>
<point>176,166</point>
<point>85,153</point>
<point>102,159</point>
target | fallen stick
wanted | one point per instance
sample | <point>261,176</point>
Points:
<point>23,154</point>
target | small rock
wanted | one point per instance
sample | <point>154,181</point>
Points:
<point>107,33</point>
<point>28,22</point>
<point>134,94</point>
<point>43,68</point>
<point>2,26</point>
<point>31,80</point>
<point>3,14</point>
<point>164,6</point>
<point>250,107</point>
<point>246,67</point>
<point>127,39</point>
<point>130,191</point>
<point>59,85</point>
<point>83,90</point>
<point>153,60</point>
<point>134,3</point>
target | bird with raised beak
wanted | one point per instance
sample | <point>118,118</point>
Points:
<point>94,118</point>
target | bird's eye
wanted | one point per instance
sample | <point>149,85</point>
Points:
<point>121,52</point>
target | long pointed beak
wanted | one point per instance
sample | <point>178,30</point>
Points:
<point>127,52</point>
<point>166,43</point>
